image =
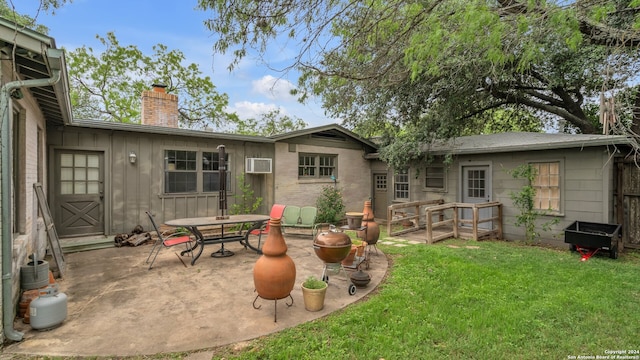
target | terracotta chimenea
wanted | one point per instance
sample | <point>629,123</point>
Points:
<point>373,229</point>
<point>274,274</point>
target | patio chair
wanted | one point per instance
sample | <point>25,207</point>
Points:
<point>299,217</point>
<point>171,240</point>
<point>308,216</point>
<point>291,216</point>
<point>276,213</point>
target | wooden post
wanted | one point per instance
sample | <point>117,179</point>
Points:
<point>429,227</point>
<point>455,222</point>
<point>475,222</point>
<point>389,218</point>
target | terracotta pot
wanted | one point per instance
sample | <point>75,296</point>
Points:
<point>274,274</point>
<point>348,261</point>
<point>360,249</point>
<point>372,234</point>
<point>313,298</point>
<point>25,300</point>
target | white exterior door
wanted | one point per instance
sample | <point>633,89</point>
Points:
<point>476,188</point>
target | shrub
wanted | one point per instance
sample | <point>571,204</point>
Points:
<point>524,201</point>
<point>246,201</point>
<point>330,205</point>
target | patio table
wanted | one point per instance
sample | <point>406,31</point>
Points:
<point>242,236</point>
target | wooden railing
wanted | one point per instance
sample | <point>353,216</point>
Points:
<point>396,215</point>
<point>452,223</point>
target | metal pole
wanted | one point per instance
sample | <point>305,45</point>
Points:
<point>222,167</point>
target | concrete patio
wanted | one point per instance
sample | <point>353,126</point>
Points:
<point>116,307</point>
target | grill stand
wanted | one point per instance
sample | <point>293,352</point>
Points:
<point>351,289</point>
<point>275,305</point>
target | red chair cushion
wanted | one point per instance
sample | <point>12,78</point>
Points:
<point>177,240</point>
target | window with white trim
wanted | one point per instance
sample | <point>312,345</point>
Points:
<point>182,174</point>
<point>434,176</point>
<point>547,186</point>
<point>317,166</point>
<point>401,185</point>
<point>180,171</point>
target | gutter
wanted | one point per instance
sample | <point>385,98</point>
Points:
<point>5,190</point>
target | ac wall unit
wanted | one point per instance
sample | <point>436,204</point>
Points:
<point>258,166</point>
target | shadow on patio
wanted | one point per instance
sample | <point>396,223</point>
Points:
<point>116,307</point>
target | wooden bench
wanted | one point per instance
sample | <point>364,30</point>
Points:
<point>299,217</point>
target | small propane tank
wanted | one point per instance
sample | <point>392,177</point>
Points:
<point>49,309</point>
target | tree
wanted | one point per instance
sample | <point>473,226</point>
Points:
<point>108,85</point>
<point>270,123</point>
<point>8,11</point>
<point>433,69</point>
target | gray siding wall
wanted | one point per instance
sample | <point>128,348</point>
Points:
<point>131,189</point>
<point>586,187</point>
<point>354,175</point>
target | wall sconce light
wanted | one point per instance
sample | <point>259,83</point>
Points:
<point>132,157</point>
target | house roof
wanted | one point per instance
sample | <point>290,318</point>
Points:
<point>36,57</point>
<point>521,141</point>
<point>517,141</point>
<point>327,130</point>
<point>150,129</point>
<point>330,130</point>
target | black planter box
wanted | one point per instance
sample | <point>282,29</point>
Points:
<point>593,235</point>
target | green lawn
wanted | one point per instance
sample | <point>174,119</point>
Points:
<point>476,300</point>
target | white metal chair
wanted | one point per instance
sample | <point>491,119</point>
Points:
<point>168,241</point>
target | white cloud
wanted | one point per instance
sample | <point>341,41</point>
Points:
<point>253,110</point>
<point>273,88</point>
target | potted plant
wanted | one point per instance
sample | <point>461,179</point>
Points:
<point>313,292</point>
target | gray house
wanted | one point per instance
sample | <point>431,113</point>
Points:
<point>580,177</point>
<point>127,169</point>
<point>100,177</point>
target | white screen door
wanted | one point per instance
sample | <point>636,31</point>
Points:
<point>476,188</point>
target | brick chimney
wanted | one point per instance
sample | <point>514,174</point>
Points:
<point>159,108</point>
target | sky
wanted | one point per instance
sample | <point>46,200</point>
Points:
<point>252,87</point>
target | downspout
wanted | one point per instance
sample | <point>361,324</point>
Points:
<point>5,166</point>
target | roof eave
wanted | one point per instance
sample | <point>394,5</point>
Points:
<point>308,131</point>
<point>163,130</point>
<point>612,141</point>
<point>53,62</point>
<point>28,39</point>
<point>57,62</point>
